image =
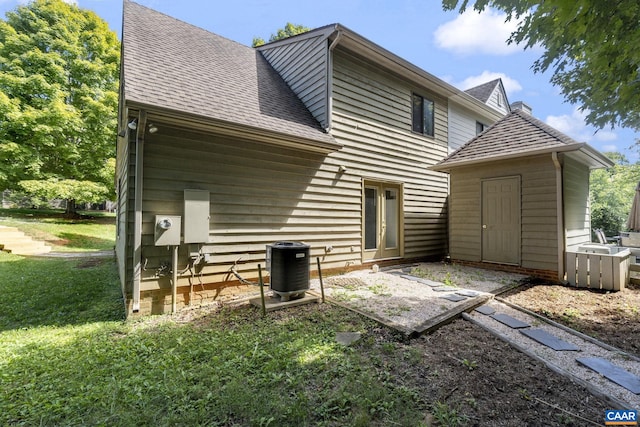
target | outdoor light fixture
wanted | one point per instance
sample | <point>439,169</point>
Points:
<point>133,124</point>
<point>122,133</point>
<point>153,128</point>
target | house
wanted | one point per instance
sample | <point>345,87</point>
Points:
<point>324,138</point>
<point>519,196</point>
<point>465,123</point>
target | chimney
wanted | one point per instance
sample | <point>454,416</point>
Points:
<point>520,105</point>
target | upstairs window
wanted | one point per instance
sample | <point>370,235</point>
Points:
<point>480,127</point>
<point>422,115</point>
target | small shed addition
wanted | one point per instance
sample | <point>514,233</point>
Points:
<point>519,196</point>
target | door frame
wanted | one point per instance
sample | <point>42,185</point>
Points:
<point>380,252</point>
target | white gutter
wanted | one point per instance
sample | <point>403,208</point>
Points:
<point>560,215</point>
<point>137,222</point>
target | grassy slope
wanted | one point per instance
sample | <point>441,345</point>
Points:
<point>89,234</point>
<point>66,358</point>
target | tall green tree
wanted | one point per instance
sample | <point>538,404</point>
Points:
<point>59,70</point>
<point>287,31</point>
<point>591,46</point>
<point>611,193</point>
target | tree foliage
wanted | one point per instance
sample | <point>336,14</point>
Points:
<point>611,193</point>
<point>59,70</point>
<point>591,45</point>
<point>282,33</point>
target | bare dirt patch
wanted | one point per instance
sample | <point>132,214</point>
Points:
<point>611,317</point>
<point>466,375</point>
<point>487,380</point>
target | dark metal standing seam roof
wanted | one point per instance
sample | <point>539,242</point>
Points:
<point>518,134</point>
<point>173,65</point>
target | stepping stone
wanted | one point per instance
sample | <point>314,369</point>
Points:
<point>347,338</point>
<point>444,289</point>
<point>545,338</point>
<point>510,321</point>
<point>486,310</point>
<point>421,280</point>
<point>429,282</point>
<point>454,297</point>
<point>613,372</point>
<point>468,293</point>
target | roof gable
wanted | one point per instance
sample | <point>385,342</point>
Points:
<point>339,36</point>
<point>518,134</point>
<point>483,91</point>
<point>492,94</point>
<point>176,66</point>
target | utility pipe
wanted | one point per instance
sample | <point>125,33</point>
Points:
<point>261,284</point>
<point>137,222</point>
<point>174,279</point>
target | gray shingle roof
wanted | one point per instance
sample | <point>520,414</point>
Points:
<point>484,91</point>
<point>518,134</point>
<point>173,65</point>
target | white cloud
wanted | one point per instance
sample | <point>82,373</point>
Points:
<point>477,33</point>
<point>575,126</point>
<point>511,86</point>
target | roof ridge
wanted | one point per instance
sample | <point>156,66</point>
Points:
<point>131,2</point>
<point>180,67</point>
<point>550,130</point>
<point>510,136</point>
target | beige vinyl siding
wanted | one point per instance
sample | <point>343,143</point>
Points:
<point>372,119</point>
<point>259,194</point>
<point>303,65</point>
<point>538,209</point>
<point>576,208</point>
<point>124,217</point>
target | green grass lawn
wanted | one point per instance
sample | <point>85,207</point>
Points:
<point>67,358</point>
<point>96,231</point>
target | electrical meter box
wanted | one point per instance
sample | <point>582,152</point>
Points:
<point>167,230</point>
<point>196,216</point>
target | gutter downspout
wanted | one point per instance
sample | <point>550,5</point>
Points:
<point>329,74</point>
<point>137,223</point>
<point>560,215</point>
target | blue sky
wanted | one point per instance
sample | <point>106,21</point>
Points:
<point>464,50</point>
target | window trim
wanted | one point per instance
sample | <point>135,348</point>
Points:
<point>478,125</point>
<point>430,131</point>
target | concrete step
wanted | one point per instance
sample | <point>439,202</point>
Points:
<point>15,241</point>
<point>25,244</point>
<point>9,232</point>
